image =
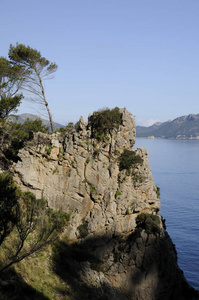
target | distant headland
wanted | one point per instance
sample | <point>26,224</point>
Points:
<point>185,127</point>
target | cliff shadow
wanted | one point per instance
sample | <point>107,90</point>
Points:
<point>80,266</point>
<point>13,287</point>
<point>147,269</point>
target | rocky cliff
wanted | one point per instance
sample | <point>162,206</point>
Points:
<point>117,243</point>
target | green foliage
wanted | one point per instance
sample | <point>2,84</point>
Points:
<point>92,189</point>
<point>13,136</point>
<point>59,218</point>
<point>83,229</point>
<point>117,193</point>
<point>26,224</point>
<point>137,177</point>
<point>34,126</point>
<point>19,133</point>
<point>96,153</point>
<point>48,149</point>
<point>28,58</point>
<point>8,205</point>
<point>64,255</point>
<point>55,170</point>
<point>35,69</point>
<point>158,192</point>
<point>67,129</point>
<point>87,160</point>
<point>10,82</point>
<point>105,120</point>
<point>10,77</point>
<point>9,104</point>
<point>149,222</point>
<point>129,159</point>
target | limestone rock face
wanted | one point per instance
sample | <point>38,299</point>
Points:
<point>81,175</point>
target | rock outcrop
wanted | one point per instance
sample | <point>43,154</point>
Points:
<point>114,212</point>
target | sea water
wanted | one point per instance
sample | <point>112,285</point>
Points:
<point>175,169</point>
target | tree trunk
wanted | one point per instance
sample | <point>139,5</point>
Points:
<point>45,102</point>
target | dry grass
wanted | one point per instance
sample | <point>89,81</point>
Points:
<point>37,272</point>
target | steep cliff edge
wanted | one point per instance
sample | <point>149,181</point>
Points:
<point>117,245</point>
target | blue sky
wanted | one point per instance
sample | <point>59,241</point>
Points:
<point>138,54</point>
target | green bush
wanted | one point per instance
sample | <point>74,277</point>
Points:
<point>105,120</point>
<point>87,160</point>
<point>137,177</point>
<point>128,159</point>
<point>158,192</point>
<point>83,229</point>
<point>96,153</point>
<point>34,126</point>
<point>92,189</point>
<point>9,195</point>
<point>149,222</point>
<point>48,150</point>
<point>67,129</point>
<point>26,223</point>
<point>19,133</point>
<point>117,193</point>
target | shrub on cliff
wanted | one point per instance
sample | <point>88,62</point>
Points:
<point>150,223</point>
<point>8,205</point>
<point>105,120</point>
<point>22,132</point>
<point>129,159</point>
<point>26,224</point>
<point>13,136</point>
<point>83,228</point>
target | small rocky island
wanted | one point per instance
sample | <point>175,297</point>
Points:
<point>117,246</point>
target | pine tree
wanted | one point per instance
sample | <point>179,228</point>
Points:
<point>10,83</point>
<point>36,68</point>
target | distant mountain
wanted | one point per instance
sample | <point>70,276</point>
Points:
<point>23,117</point>
<point>185,127</point>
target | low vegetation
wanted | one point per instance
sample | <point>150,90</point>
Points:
<point>14,135</point>
<point>26,224</point>
<point>150,223</point>
<point>117,193</point>
<point>20,133</point>
<point>129,159</point>
<point>105,120</point>
<point>27,231</point>
<point>158,192</point>
<point>83,229</point>
<point>67,129</point>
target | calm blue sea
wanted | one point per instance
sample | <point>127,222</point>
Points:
<point>175,169</point>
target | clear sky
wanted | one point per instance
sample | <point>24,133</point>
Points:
<point>138,54</point>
